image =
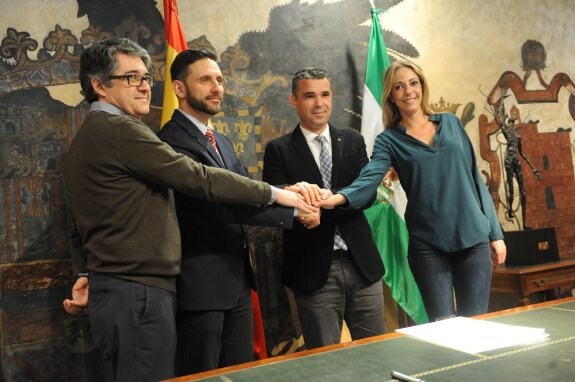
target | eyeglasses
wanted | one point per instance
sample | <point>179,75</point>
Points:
<point>135,79</point>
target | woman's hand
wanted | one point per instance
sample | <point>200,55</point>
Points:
<point>498,252</point>
<point>332,201</point>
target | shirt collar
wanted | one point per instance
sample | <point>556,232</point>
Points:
<point>106,107</point>
<point>203,128</point>
<point>310,136</point>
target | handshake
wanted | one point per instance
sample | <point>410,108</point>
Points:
<point>307,199</point>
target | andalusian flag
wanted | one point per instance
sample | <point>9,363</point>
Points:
<point>175,43</point>
<point>386,215</point>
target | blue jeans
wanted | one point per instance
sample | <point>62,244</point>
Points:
<point>439,275</point>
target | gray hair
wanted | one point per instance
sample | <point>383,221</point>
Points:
<point>309,73</point>
<point>99,61</point>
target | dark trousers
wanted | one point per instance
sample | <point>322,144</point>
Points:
<point>440,275</point>
<point>212,339</point>
<point>133,325</point>
<point>345,295</point>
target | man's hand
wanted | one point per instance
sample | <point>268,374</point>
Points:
<point>309,221</point>
<point>79,299</point>
<point>311,192</point>
<point>292,199</point>
<point>332,201</point>
<point>498,252</point>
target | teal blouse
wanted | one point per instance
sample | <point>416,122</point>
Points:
<point>448,205</point>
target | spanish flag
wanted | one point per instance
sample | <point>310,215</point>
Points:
<point>260,349</point>
<point>175,43</point>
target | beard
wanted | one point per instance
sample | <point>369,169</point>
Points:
<point>200,105</point>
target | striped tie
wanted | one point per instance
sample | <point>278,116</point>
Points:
<point>325,166</point>
<point>212,138</point>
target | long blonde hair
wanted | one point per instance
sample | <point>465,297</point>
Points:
<point>391,115</point>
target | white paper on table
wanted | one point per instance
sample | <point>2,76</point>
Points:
<point>474,336</point>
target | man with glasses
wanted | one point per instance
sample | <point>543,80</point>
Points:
<point>135,79</point>
<point>118,177</point>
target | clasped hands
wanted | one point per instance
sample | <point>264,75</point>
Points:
<point>305,197</point>
<point>313,198</point>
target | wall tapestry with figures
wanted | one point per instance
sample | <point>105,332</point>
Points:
<point>38,78</point>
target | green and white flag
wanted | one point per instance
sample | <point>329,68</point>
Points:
<point>386,215</point>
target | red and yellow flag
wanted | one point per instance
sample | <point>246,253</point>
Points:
<point>259,335</point>
<point>175,43</point>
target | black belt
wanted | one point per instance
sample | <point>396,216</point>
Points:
<point>339,254</point>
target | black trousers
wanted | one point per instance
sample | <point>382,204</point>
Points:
<point>134,327</point>
<point>212,339</point>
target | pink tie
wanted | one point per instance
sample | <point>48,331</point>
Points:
<point>211,138</point>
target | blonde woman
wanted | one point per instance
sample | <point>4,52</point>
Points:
<point>455,235</point>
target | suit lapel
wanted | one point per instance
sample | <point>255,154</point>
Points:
<point>197,137</point>
<point>227,153</point>
<point>336,154</point>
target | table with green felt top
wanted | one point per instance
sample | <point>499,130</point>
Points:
<point>373,359</point>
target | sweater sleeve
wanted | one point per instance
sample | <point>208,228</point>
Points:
<point>152,160</point>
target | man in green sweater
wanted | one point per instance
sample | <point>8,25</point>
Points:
<point>119,177</point>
